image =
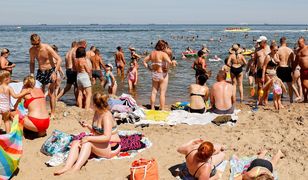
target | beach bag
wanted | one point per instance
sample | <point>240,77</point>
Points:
<point>143,169</point>
<point>57,142</point>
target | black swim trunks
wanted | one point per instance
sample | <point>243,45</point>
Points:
<point>44,77</point>
<point>284,73</point>
<point>236,71</point>
<point>200,111</point>
<point>71,76</point>
<point>259,73</point>
<point>97,74</point>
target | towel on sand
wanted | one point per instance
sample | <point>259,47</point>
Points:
<point>238,165</point>
<point>11,149</point>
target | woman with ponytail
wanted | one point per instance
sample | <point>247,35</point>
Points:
<point>104,141</point>
<point>202,157</point>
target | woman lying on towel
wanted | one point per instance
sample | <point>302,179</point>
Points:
<point>202,157</point>
<point>198,94</point>
<point>104,142</point>
<point>37,119</point>
<point>261,168</point>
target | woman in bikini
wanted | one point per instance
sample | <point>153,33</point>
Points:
<point>198,94</point>
<point>105,141</point>
<point>236,61</point>
<point>37,119</point>
<point>202,157</point>
<point>199,65</point>
<point>261,168</point>
<point>269,70</point>
<point>159,76</point>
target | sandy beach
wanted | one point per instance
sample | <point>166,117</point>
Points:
<point>286,130</point>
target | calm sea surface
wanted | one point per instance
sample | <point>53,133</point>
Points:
<point>143,38</point>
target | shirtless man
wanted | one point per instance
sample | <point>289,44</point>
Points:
<point>120,61</point>
<point>222,95</point>
<point>5,64</point>
<point>47,70</point>
<point>71,73</point>
<point>91,52</point>
<point>259,58</point>
<point>97,63</point>
<point>302,61</point>
<point>284,70</point>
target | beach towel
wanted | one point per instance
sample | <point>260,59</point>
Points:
<point>130,153</point>
<point>183,117</point>
<point>11,149</point>
<point>156,115</point>
<point>238,165</point>
<point>185,175</point>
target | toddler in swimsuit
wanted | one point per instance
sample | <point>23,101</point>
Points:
<point>132,75</point>
<point>5,92</point>
<point>278,88</point>
<point>110,80</point>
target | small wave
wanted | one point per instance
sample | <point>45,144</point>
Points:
<point>278,31</point>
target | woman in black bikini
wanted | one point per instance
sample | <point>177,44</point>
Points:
<point>105,141</point>
<point>261,167</point>
<point>198,94</point>
<point>202,157</point>
<point>269,70</point>
<point>236,61</point>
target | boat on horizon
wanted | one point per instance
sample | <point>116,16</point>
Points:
<point>237,29</point>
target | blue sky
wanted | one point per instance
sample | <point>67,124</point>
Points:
<point>153,11</point>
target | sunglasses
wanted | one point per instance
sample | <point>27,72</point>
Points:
<point>35,44</point>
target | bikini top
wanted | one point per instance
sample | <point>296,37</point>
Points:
<point>101,130</point>
<point>193,94</point>
<point>272,63</point>
<point>28,101</point>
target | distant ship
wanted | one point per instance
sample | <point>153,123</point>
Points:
<point>237,29</point>
<point>93,24</point>
<point>43,24</point>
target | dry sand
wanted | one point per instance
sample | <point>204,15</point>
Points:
<point>286,130</point>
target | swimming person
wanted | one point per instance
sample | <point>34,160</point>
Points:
<point>105,141</point>
<point>83,78</point>
<point>236,61</point>
<point>222,99</point>
<point>47,70</point>
<point>159,58</point>
<point>199,93</point>
<point>202,158</point>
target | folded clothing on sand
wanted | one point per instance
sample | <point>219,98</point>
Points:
<point>156,115</point>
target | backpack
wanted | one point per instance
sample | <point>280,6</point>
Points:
<point>57,142</point>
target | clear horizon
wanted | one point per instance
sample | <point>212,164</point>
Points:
<point>78,12</point>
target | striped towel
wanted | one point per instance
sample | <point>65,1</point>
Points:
<point>11,149</point>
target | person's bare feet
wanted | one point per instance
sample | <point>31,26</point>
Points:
<point>61,171</point>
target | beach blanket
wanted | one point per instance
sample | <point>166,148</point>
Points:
<point>130,153</point>
<point>156,115</point>
<point>184,117</point>
<point>238,165</point>
<point>11,149</point>
<point>185,175</point>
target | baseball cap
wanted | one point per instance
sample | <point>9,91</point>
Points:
<point>262,38</point>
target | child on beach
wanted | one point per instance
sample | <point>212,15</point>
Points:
<point>227,69</point>
<point>250,72</point>
<point>110,80</point>
<point>132,75</point>
<point>5,92</point>
<point>278,88</point>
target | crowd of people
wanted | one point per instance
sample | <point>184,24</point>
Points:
<point>269,67</point>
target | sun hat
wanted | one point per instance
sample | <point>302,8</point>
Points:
<point>109,65</point>
<point>235,49</point>
<point>4,51</point>
<point>132,49</point>
<point>262,38</point>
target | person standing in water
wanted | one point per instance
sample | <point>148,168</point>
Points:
<point>120,61</point>
<point>97,63</point>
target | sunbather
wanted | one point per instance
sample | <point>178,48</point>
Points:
<point>202,157</point>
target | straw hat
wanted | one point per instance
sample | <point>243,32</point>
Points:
<point>109,65</point>
<point>132,49</point>
<point>235,49</point>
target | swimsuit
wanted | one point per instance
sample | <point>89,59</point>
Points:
<point>261,163</point>
<point>304,74</point>
<point>218,111</point>
<point>83,80</point>
<point>109,79</point>
<point>97,74</point>
<point>213,172</point>
<point>132,76</point>
<point>284,73</point>
<point>4,103</point>
<point>200,111</point>
<point>199,71</point>
<point>236,71</point>
<point>273,66</point>
<point>71,76</point>
<point>44,77</point>
<point>40,124</point>
<point>101,132</point>
<point>259,73</point>
<point>158,76</point>
<point>277,89</point>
